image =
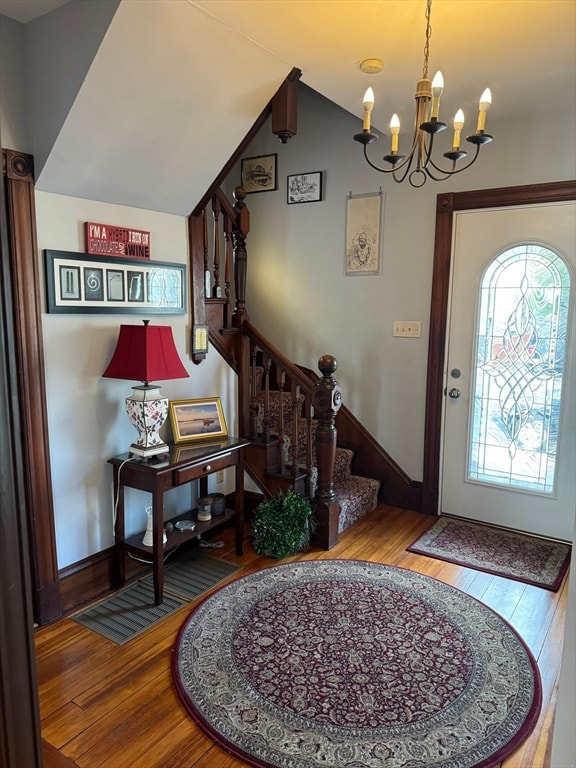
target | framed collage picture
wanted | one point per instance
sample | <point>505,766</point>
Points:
<point>81,284</point>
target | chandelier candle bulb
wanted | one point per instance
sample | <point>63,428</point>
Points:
<point>368,106</point>
<point>437,88</point>
<point>394,131</point>
<point>458,125</point>
<point>485,102</point>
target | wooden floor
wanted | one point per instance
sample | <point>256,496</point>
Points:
<point>109,706</point>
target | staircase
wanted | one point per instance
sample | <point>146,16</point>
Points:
<point>300,438</point>
<point>356,495</point>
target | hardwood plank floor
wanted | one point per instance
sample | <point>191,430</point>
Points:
<point>109,706</point>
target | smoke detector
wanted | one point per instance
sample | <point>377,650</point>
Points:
<point>371,66</point>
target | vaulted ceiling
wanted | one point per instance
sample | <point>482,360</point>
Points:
<point>148,100</point>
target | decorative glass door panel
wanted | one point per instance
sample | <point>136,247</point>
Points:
<point>517,384</point>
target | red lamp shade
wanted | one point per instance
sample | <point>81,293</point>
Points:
<point>145,353</point>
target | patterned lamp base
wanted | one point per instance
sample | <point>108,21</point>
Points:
<point>147,410</point>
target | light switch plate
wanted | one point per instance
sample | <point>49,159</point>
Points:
<point>407,328</point>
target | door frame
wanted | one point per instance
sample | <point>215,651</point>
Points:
<point>446,205</point>
<point>29,400</point>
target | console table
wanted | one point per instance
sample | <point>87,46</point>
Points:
<point>158,474</point>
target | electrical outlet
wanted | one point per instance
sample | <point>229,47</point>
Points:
<point>220,476</point>
<point>407,328</point>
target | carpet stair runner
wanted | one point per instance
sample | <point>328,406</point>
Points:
<point>356,494</point>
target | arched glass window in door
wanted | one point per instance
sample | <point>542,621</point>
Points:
<point>520,355</point>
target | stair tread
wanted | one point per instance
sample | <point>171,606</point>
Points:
<point>356,494</point>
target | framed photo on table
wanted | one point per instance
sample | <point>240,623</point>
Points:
<point>197,419</point>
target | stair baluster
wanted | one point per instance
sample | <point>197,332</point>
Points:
<point>266,419</point>
<point>216,289</point>
<point>295,447</point>
<point>254,388</point>
<point>310,427</point>
<point>281,381</point>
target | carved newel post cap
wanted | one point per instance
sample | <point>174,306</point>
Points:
<point>239,194</point>
<point>327,365</point>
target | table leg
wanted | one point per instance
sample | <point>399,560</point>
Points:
<point>239,505</point>
<point>158,549</point>
<point>119,532</point>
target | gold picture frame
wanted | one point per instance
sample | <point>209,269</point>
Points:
<point>201,419</point>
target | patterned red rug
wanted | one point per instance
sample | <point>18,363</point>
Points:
<point>346,663</point>
<point>493,550</point>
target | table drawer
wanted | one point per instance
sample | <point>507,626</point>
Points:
<point>203,468</point>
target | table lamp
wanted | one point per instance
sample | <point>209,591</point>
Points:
<point>143,353</point>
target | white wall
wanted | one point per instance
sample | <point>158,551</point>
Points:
<point>14,130</point>
<point>298,294</point>
<point>86,415</point>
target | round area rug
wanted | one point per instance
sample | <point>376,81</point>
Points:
<point>349,663</point>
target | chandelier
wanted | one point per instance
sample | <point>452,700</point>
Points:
<point>417,166</point>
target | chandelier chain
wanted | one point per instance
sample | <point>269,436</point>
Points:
<point>428,35</point>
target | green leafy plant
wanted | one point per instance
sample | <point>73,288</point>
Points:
<point>282,525</point>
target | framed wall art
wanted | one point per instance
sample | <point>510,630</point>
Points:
<point>197,419</point>
<point>363,233</point>
<point>259,173</point>
<point>80,284</point>
<point>304,187</point>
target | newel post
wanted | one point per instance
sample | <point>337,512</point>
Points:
<point>326,399</point>
<point>240,231</point>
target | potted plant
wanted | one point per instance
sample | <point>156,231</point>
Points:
<point>282,525</point>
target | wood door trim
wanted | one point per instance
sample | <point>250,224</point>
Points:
<point>446,206</point>
<point>26,329</point>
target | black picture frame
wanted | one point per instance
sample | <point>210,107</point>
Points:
<point>259,173</point>
<point>80,284</point>
<point>304,187</point>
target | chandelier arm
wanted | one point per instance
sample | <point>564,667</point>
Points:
<point>373,165</point>
<point>407,161</point>
<point>406,165</point>
<point>455,170</point>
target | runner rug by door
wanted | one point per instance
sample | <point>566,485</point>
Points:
<point>131,611</point>
<point>349,663</point>
<point>504,553</point>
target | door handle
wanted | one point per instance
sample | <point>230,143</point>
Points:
<point>454,393</point>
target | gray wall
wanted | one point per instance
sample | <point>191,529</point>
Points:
<point>296,277</point>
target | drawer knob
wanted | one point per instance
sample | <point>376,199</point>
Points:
<point>207,468</point>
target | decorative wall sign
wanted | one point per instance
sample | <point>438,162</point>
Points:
<point>109,240</point>
<point>259,173</point>
<point>81,284</point>
<point>363,233</point>
<point>304,187</point>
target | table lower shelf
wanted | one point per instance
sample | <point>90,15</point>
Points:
<point>175,538</point>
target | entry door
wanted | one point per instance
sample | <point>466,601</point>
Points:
<point>503,401</point>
